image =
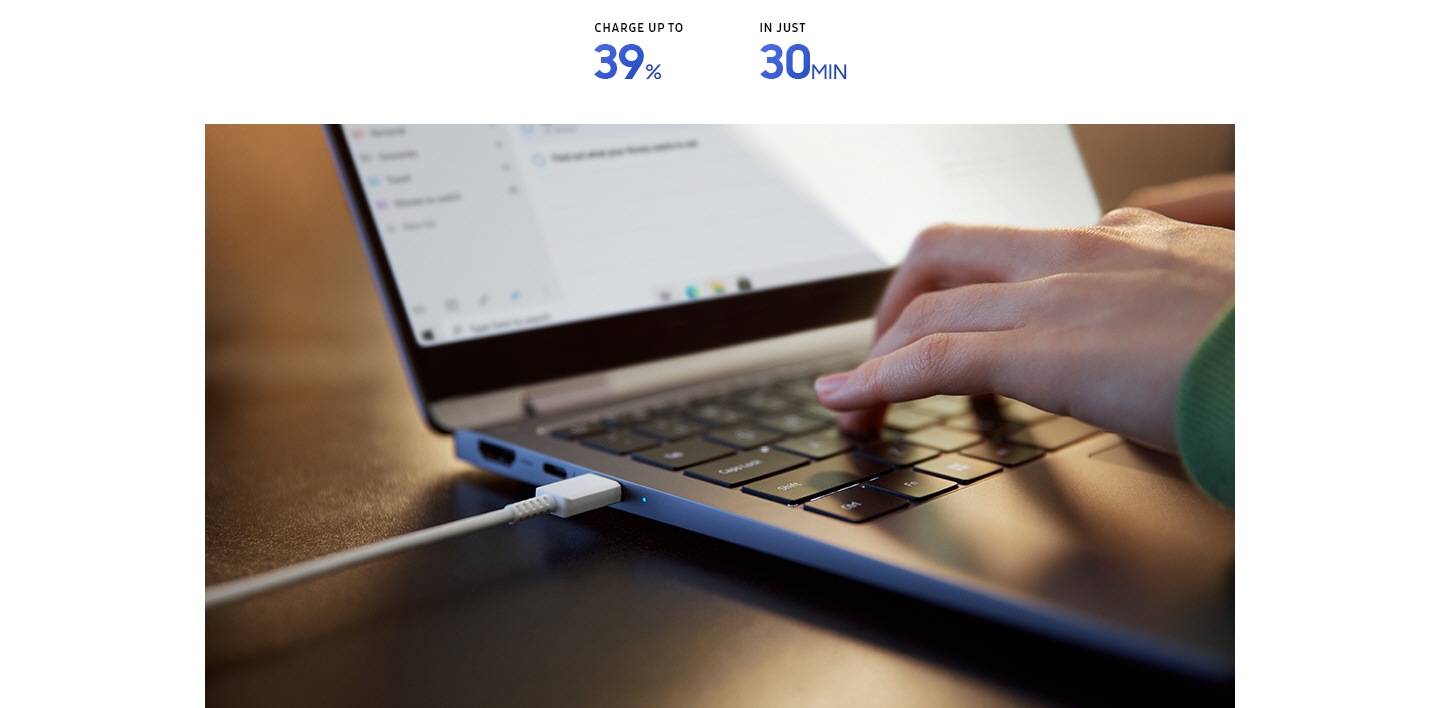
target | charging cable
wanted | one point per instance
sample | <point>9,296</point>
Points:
<point>566,498</point>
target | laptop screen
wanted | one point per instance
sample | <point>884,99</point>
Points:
<point>498,229</point>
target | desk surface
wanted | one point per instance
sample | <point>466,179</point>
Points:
<point>313,445</point>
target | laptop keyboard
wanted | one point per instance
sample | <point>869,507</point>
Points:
<point>777,442</point>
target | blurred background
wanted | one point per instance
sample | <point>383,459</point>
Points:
<point>314,445</point>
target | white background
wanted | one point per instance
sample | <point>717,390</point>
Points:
<point>103,269</point>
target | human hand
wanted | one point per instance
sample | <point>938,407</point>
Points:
<point>1208,199</point>
<point>1093,322</point>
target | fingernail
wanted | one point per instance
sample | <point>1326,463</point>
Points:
<point>826,385</point>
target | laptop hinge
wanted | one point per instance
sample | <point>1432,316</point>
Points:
<point>640,380</point>
<point>567,396</point>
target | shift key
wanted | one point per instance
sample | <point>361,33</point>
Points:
<point>739,469</point>
<point>816,479</point>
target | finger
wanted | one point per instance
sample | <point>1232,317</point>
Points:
<point>862,423</point>
<point>950,256</point>
<point>947,363</point>
<point>858,423</point>
<point>989,307</point>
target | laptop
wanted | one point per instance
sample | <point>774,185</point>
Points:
<point>652,303</point>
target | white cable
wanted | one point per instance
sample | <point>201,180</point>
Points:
<point>566,498</point>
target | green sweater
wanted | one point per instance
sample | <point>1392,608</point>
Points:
<point>1205,412</point>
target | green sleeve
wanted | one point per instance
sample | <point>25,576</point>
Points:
<point>1205,412</point>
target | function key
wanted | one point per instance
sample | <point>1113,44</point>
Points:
<point>856,504</point>
<point>685,454</point>
<point>746,466</point>
<point>912,485</point>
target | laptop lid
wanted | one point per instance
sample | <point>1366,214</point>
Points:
<point>509,256</point>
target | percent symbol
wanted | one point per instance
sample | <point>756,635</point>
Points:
<point>653,71</point>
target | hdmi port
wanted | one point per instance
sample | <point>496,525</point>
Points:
<point>495,453</point>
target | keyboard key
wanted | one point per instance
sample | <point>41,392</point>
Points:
<point>959,468</point>
<point>764,402</point>
<point>826,443</point>
<point>802,389</point>
<point>682,455</point>
<point>620,442</point>
<point>906,406</point>
<point>962,422</point>
<point>629,418</point>
<point>716,414</point>
<point>1053,433</point>
<point>1022,413</point>
<point>986,406</point>
<point>791,423</point>
<point>580,430</point>
<point>856,504</point>
<point>743,437</point>
<point>1005,453</point>
<point>813,480</point>
<point>912,485</point>
<point>942,406</point>
<point>897,453</point>
<point>908,421</point>
<point>669,429</point>
<point>987,426</point>
<point>942,438</point>
<point>818,412</point>
<point>746,466</point>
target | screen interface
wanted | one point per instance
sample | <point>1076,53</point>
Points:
<point>496,229</point>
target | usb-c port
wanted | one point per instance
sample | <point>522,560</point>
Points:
<point>554,471</point>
